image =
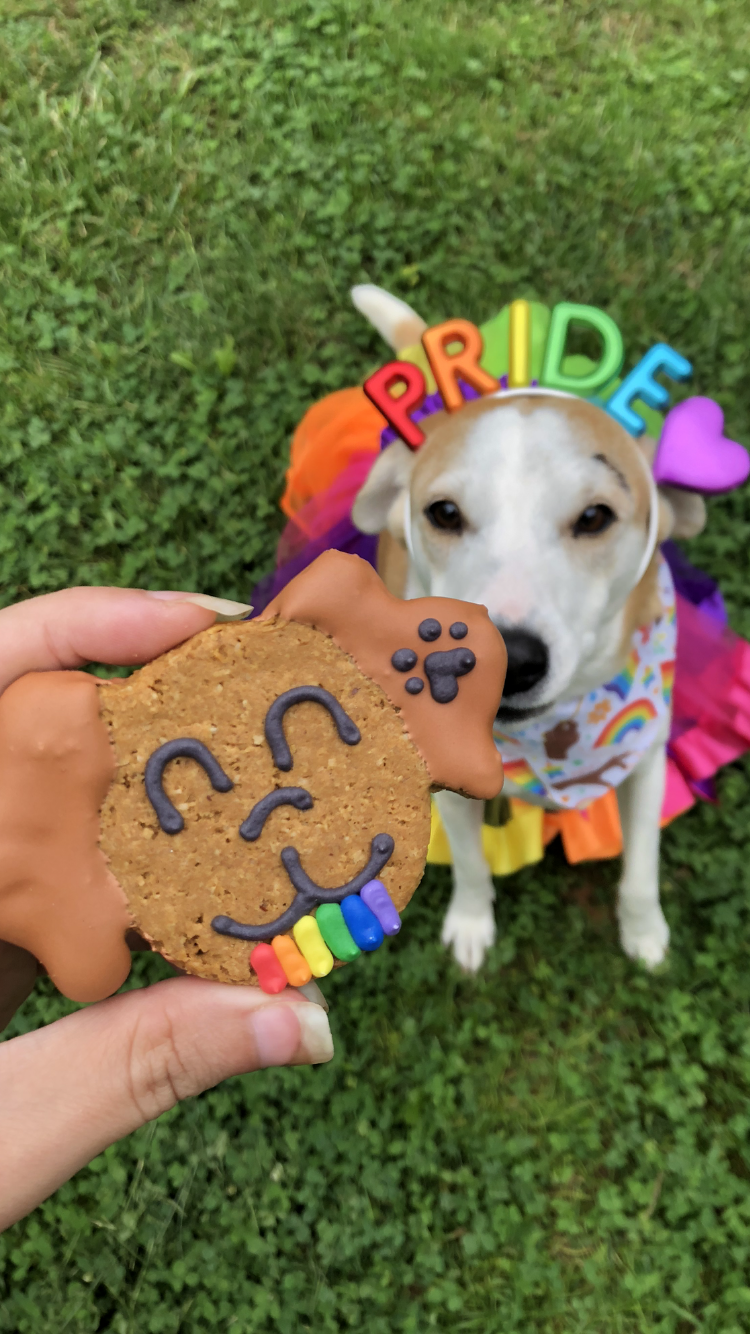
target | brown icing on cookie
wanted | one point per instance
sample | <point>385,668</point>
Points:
<point>343,596</point>
<point>58,899</point>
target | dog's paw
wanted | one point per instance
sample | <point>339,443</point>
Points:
<point>644,935</point>
<point>470,935</point>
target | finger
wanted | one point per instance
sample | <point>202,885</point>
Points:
<point>73,1088</point>
<point>117,625</point>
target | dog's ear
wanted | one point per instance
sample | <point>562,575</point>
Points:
<point>396,322</point>
<point>380,503</point>
<point>687,508</point>
<point>681,513</point>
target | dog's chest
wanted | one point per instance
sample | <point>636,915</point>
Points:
<point>577,750</point>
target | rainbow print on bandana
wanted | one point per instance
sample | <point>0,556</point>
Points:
<point>621,684</point>
<point>519,773</point>
<point>630,719</point>
<point>667,680</point>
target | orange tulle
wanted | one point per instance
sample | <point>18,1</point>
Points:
<point>594,834</point>
<point>330,434</point>
<point>589,835</point>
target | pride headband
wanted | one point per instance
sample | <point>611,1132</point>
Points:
<point>692,451</point>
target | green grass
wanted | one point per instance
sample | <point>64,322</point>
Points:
<point>187,191</point>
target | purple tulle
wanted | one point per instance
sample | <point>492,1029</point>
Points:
<point>342,537</point>
<point>693,584</point>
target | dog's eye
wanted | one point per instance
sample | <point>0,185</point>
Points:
<point>446,515</point>
<point>594,520</point>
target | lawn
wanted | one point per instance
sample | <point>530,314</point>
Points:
<point>187,192</point>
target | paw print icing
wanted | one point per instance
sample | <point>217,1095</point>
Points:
<point>343,596</point>
<point>429,630</point>
<point>443,670</point>
<point>404,659</point>
<point>442,667</point>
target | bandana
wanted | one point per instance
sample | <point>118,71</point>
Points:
<point>577,750</point>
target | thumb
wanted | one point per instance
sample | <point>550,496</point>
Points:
<point>73,1088</point>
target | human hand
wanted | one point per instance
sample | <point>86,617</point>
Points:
<point>69,1090</point>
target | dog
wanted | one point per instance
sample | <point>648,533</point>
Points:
<point>540,506</point>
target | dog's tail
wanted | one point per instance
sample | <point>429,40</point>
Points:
<point>396,322</point>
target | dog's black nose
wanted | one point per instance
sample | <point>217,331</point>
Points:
<point>528,661</point>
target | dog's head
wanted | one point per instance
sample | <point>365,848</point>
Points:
<point>538,506</point>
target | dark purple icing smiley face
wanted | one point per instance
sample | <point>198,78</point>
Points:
<point>442,667</point>
<point>308,895</point>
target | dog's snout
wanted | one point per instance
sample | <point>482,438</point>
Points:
<point>528,661</point>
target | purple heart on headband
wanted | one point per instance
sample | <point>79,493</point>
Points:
<point>694,453</point>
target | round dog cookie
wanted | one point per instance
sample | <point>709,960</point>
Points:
<point>254,803</point>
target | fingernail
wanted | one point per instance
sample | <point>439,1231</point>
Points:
<point>316,1033</point>
<point>287,1033</point>
<point>311,991</point>
<point>224,608</point>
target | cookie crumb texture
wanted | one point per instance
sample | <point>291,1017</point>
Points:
<point>218,688</point>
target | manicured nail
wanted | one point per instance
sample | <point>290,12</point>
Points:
<point>316,1033</point>
<point>312,992</point>
<point>225,609</point>
<point>279,1040</point>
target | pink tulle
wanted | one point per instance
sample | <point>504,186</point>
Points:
<point>677,795</point>
<point>324,511</point>
<point>711,717</point>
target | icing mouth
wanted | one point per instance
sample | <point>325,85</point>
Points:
<point>309,895</point>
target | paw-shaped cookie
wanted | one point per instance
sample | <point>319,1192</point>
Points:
<point>256,803</point>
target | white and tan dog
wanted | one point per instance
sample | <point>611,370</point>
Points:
<point>541,507</point>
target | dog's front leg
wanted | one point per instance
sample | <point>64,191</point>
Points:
<point>469,925</point>
<point>643,929</point>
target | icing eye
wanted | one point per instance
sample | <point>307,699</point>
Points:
<point>458,630</point>
<point>595,519</point>
<point>429,629</point>
<point>445,515</point>
<point>414,685</point>
<point>404,659</point>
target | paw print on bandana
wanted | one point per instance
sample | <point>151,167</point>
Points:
<point>442,667</point>
<point>599,712</point>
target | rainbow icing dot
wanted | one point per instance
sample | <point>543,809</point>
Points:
<point>270,973</point>
<point>363,924</point>
<point>307,935</point>
<point>295,965</point>
<point>379,901</point>
<point>338,931</point>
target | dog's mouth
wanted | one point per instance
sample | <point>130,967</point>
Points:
<point>528,665</point>
<point>509,713</point>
